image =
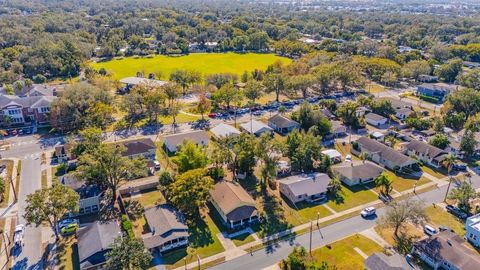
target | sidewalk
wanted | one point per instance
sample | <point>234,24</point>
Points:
<point>229,255</point>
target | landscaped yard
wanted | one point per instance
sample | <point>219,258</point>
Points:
<point>312,211</point>
<point>149,198</point>
<point>345,150</point>
<point>439,217</point>
<point>402,182</point>
<point>351,197</point>
<point>206,63</point>
<point>387,233</point>
<point>434,172</point>
<point>343,255</point>
<point>242,239</point>
<point>67,251</point>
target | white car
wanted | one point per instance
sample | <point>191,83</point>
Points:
<point>348,158</point>
<point>18,235</point>
<point>156,164</point>
<point>369,211</point>
<point>429,230</point>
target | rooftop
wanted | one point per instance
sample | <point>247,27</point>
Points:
<point>165,224</point>
<point>374,117</point>
<point>358,169</point>
<point>96,237</point>
<point>281,121</point>
<point>137,80</point>
<point>224,130</point>
<point>388,153</point>
<point>309,184</point>
<point>255,126</point>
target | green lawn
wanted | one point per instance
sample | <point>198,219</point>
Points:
<point>440,217</point>
<point>374,88</point>
<point>312,211</point>
<point>401,182</point>
<point>242,239</point>
<point>150,198</point>
<point>206,63</point>
<point>438,173</point>
<point>342,253</point>
<point>351,197</point>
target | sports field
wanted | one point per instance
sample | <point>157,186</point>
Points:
<point>206,63</point>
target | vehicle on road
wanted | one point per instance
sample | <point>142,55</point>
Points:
<point>456,211</point>
<point>367,212</point>
<point>429,230</point>
<point>18,235</point>
<point>69,229</point>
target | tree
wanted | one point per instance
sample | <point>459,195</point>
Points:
<point>463,194</point>
<point>308,118</point>
<point>468,144</point>
<point>185,78</point>
<point>300,83</point>
<point>347,113</point>
<point>108,167</point>
<point>203,105</point>
<point>448,163</point>
<point>383,107</point>
<point>275,83</point>
<point>465,101</point>
<point>303,149</point>
<point>190,191</point>
<point>385,182</point>
<point>253,90</point>
<point>471,79</point>
<point>450,70</point>
<point>440,140</point>
<point>399,213</point>
<point>244,150</point>
<point>335,186</point>
<point>267,150</point>
<point>190,156</point>
<point>226,95</point>
<point>414,69</point>
<point>220,79</point>
<point>50,205</point>
<point>128,253</point>
<point>91,139</point>
<point>299,259</point>
<point>2,188</point>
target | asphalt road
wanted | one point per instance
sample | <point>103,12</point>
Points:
<point>29,256</point>
<point>273,254</point>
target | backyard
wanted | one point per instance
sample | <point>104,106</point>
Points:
<point>207,63</point>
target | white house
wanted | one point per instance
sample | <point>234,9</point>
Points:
<point>375,119</point>
<point>172,142</point>
<point>223,130</point>
<point>255,127</point>
<point>472,227</point>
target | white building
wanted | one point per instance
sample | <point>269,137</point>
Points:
<point>472,227</point>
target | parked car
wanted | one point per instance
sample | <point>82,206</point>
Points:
<point>459,166</point>
<point>67,221</point>
<point>156,165</point>
<point>69,229</point>
<point>18,235</point>
<point>456,211</point>
<point>369,211</point>
<point>212,115</point>
<point>429,230</point>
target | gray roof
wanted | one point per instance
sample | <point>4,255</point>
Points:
<point>96,237</point>
<point>309,184</point>
<point>255,127</point>
<point>442,87</point>
<point>224,130</point>
<point>281,121</point>
<point>138,146</point>
<point>424,148</point>
<point>380,261</point>
<point>374,117</point>
<point>26,102</point>
<point>165,224</point>
<point>451,247</point>
<point>233,200</point>
<point>387,153</point>
<point>404,111</point>
<point>137,80</point>
<point>358,169</point>
<point>327,113</point>
<point>398,104</point>
<point>196,136</point>
<point>36,90</point>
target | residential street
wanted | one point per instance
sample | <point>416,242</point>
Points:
<point>29,257</point>
<point>273,254</point>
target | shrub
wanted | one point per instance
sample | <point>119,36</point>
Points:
<point>429,99</point>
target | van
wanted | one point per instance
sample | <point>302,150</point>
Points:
<point>429,230</point>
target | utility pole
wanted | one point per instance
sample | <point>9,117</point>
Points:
<point>311,231</point>
<point>198,260</point>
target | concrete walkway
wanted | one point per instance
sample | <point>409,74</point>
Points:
<point>359,251</point>
<point>373,235</point>
<point>228,255</point>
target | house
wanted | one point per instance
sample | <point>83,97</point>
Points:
<point>235,206</point>
<point>338,129</point>
<point>382,154</point>
<point>172,142</point>
<point>403,113</point>
<point>167,229</point>
<point>130,82</point>
<point>446,250</point>
<point>333,154</point>
<point>138,185</point>
<point>305,187</point>
<point>361,111</point>
<point>425,152</point>
<point>64,152</point>
<point>223,130</point>
<point>140,148</point>
<point>35,90</point>
<point>90,195</point>
<point>357,172</point>
<point>471,65</point>
<point>375,119</point>
<point>255,127</point>
<point>380,261</point>
<point>328,114</point>
<point>377,135</point>
<point>282,124</point>
<point>20,111</point>
<point>94,242</point>
<point>472,228</point>
<point>438,91</point>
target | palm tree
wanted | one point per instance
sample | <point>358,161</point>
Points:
<point>335,186</point>
<point>448,162</point>
<point>363,156</point>
<point>386,184</point>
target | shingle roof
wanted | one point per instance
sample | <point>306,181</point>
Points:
<point>196,136</point>
<point>26,102</point>
<point>358,169</point>
<point>374,117</point>
<point>230,196</point>
<point>309,184</point>
<point>96,237</point>
<point>255,127</point>
<point>139,146</point>
<point>386,152</point>
<point>281,121</point>
<point>424,148</point>
<point>442,87</point>
<point>451,247</point>
<point>224,130</point>
<point>380,261</point>
<point>137,80</point>
<point>165,224</point>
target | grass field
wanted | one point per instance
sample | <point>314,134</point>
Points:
<point>206,63</point>
<point>343,255</point>
<point>440,217</point>
<point>351,197</point>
